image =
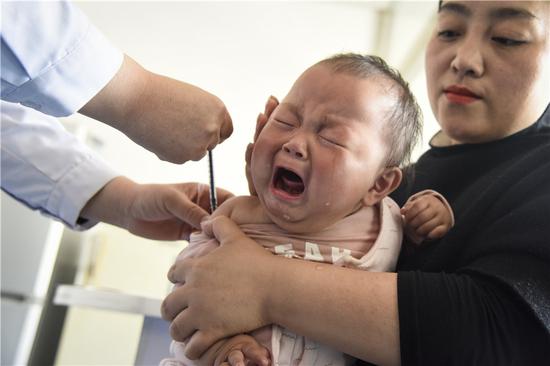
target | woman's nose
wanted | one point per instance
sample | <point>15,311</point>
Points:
<point>468,60</point>
<point>296,147</point>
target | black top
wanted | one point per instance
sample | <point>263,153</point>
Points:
<point>481,294</point>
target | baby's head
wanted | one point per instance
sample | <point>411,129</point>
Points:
<point>335,142</point>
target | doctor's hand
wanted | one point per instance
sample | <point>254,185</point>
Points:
<point>223,293</point>
<point>261,121</point>
<point>154,211</point>
<point>175,120</point>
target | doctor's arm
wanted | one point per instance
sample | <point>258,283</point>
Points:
<point>48,169</point>
<point>56,62</point>
<point>175,120</point>
<point>155,211</point>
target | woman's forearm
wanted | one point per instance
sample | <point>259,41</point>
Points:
<point>359,316</point>
<point>240,287</point>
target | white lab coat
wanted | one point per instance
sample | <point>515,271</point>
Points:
<point>54,61</point>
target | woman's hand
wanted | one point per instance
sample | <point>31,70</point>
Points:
<point>223,293</point>
<point>154,211</point>
<point>270,106</point>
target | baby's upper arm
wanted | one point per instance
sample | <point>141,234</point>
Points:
<point>243,210</point>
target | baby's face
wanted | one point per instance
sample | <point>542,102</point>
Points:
<point>321,150</point>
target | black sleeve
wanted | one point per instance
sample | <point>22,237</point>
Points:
<point>464,319</point>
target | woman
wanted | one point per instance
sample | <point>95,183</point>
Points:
<point>481,295</point>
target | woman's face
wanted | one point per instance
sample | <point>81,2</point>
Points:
<point>488,67</point>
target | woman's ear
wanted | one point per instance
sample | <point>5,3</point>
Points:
<point>388,180</point>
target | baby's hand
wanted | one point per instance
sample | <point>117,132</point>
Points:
<point>426,217</point>
<point>242,350</point>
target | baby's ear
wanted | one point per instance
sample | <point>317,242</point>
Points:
<point>388,180</point>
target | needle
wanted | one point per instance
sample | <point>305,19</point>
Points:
<point>213,197</point>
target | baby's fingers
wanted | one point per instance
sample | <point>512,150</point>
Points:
<point>413,209</point>
<point>438,232</point>
<point>423,221</point>
<point>236,358</point>
<point>257,355</point>
<point>429,225</point>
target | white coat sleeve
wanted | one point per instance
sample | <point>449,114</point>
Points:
<point>46,167</point>
<point>53,59</point>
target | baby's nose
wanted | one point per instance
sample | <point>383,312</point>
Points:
<point>295,149</point>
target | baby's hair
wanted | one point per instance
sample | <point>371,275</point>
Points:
<point>405,121</point>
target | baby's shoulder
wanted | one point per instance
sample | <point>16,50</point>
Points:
<point>243,210</point>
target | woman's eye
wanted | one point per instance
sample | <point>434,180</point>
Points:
<point>507,41</point>
<point>447,34</point>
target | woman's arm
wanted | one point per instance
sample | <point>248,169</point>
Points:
<point>358,316</point>
<point>444,318</point>
<point>240,287</point>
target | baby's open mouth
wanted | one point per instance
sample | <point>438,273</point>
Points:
<point>288,181</point>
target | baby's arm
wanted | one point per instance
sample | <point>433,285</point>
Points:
<point>242,210</point>
<point>427,215</point>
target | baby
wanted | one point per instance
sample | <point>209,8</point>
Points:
<point>322,168</point>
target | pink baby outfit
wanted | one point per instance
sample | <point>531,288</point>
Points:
<point>369,239</point>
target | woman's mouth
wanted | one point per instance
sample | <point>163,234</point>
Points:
<point>287,184</point>
<point>460,95</point>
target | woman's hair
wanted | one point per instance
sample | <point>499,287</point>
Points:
<point>405,120</point>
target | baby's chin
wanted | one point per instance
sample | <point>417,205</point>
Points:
<point>296,224</point>
<point>290,222</point>
<point>294,215</point>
